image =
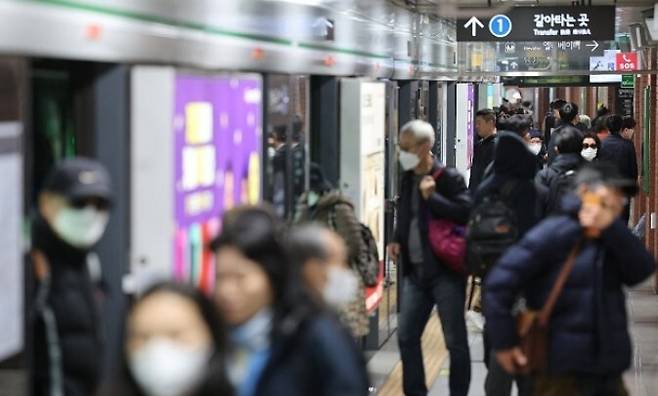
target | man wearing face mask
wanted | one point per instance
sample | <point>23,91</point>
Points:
<point>426,281</point>
<point>71,218</point>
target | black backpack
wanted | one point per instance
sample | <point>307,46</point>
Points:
<point>491,229</point>
<point>559,186</point>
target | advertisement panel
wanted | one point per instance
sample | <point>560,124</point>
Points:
<point>217,145</point>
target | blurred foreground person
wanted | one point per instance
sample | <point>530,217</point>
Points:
<point>174,345</point>
<point>282,343</point>
<point>588,344</point>
<point>329,207</point>
<point>322,257</point>
<point>65,323</point>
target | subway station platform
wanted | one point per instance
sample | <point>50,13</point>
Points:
<point>641,379</point>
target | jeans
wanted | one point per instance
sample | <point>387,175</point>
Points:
<point>448,292</point>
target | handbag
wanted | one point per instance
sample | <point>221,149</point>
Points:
<point>447,239</point>
<point>532,326</point>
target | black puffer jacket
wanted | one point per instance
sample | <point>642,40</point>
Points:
<point>72,303</point>
<point>450,201</point>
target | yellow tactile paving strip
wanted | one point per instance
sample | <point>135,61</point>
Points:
<point>434,354</point>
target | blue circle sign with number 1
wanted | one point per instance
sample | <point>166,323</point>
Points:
<point>500,25</point>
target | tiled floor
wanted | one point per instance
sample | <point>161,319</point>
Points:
<point>641,379</point>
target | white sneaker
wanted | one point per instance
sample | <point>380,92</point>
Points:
<point>475,321</point>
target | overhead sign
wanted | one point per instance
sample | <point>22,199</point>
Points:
<point>541,24</point>
<point>626,61</point>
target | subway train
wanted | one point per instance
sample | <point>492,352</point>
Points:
<point>181,101</point>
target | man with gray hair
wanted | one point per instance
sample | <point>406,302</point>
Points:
<point>428,190</point>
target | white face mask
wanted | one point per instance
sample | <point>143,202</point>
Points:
<point>589,153</point>
<point>534,148</point>
<point>408,160</point>
<point>313,198</point>
<point>341,288</point>
<point>80,228</point>
<point>167,368</point>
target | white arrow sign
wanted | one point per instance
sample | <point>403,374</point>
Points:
<point>473,23</point>
<point>595,45</point>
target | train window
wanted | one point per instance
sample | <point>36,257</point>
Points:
<point>288,138</point>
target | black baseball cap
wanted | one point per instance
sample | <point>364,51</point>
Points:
<point>605,173</point>
<point>78,179</point>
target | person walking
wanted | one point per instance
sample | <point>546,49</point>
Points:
<point>589,346</point>
<point>568,118</point>
<point>485,125</point>
<point>426,281</point>
<point>620,152</point>
<point>72,214</point>
<point>512,183</point>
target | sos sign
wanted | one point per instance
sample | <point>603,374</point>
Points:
<point>627,61</point>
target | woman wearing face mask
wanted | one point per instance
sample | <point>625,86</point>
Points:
<point>591,144</point>
<point>174,345</point>
<point>327,206</point>
<point>281,342</point>
<point>73,211</point>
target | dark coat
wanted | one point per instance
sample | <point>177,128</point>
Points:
<point>450,201</point>
<point>544,178</point>
<point>620,152</point>
<point>313,355</point>
<point>589,327</point>
<point>513,162</point>
<point>72,302</point>
<point>482,157</point>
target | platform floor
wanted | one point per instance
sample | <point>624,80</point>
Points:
<point>641,379</point>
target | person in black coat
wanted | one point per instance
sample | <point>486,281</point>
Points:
<point>513,163</point>
<point>426,281</point>
<point>568,145</point>
<point>281,342</point>
<point>620,152</point>
<point>589,344</point>
<point>568,118</point>
<point>64,320</point>
<point>485,124</point>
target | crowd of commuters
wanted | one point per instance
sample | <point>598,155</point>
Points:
<point>288,310</point>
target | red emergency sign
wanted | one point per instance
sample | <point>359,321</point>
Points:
<point>627,61</point>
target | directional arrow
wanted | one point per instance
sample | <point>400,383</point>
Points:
<point>595,45</point>
<point>473,23</point>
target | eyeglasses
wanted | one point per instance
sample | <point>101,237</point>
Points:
<point>586,145</point>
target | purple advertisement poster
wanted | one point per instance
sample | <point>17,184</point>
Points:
<point>470,119</point>
<point>218,135</point>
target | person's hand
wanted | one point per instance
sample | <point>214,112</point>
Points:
<point>512,360</point>
<point>393,251</point>
<point>427,187</point>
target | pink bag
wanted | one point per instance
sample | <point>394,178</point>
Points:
<point>447,240</point>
